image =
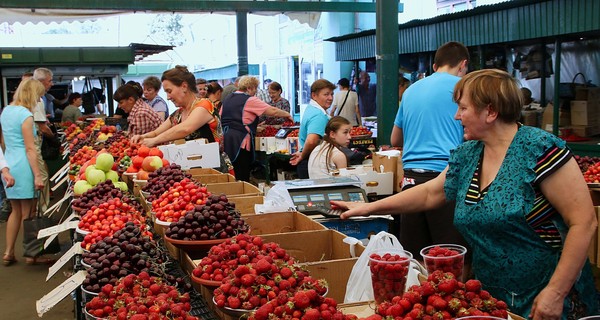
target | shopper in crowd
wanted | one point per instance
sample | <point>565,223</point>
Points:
<point>367,95</point>
<point>201,87</point>
<point>277,101</point>
<point>230,88</point>
<point>521,203</point>
<point>312,126</point>
<point>43,132</point>
<point>403,84</point>
<point>263,94</point>
<point>19,134</point>
<point>327,157</point>
<point>72,112</point>
<point>345,103</point>
<point>426,129</point>
<point>239,115</point>
<point>151,87</point>
<point>190,121</point>
<point>120,112</point>
<point>44,75</point>
<point>142,118</point>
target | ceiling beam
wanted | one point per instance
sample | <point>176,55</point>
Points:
<point>194,5</point>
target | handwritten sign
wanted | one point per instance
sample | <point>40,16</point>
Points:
<point>57,229</point>
<point>75,249</point>
<point>48,301</point>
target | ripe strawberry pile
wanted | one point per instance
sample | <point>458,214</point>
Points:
<point>360,131</point>
<point>268,131</point>
<point>444,259</point>
<point>140,297</point>
<point>253,285</point>
<point>128,251</point>
<point>306,305</point>
<point>388,275</point>
<point>218,219</point>
<point>241,249</point>
<point>160,180</point>
<point>181,197</point>
<point>443,297</point>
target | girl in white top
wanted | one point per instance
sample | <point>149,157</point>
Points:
<point>327,157</point>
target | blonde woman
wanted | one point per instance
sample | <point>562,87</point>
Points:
<point>19,132</point>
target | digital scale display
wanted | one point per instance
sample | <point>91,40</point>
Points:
<point>355,197</point>
<point>300,198</point>
<point>317,197</point>
<point>335,196</point>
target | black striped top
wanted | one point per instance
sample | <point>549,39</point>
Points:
<point>539,218</point>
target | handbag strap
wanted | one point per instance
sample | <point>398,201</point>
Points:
<point>579,74</point>
<point>34,211</point>
<point>344,103</point>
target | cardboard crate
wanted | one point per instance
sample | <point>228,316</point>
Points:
<point>360,229</point>
<point>390,164</point>
<point>202,171</point>
<point>585,113</point>
<point>281,222</point>
<point>214,178</point>
<point>588,94</point>
<point>234,189</point>
<point>336,272</point>
<point>564,118</point>
<point>193,154</point>
<point>245,205</point>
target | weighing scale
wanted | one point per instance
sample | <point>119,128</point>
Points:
<point>312,196</point>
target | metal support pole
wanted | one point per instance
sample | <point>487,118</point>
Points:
<point>242,41</point>
<point>386,43</point>
<point>557,50</point>
<point>109,96</point>
<point>543,81</point>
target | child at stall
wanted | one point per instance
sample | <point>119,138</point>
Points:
<point>327,156</point>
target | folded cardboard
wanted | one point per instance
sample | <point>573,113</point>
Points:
<point>585,113</point>
<point>281,222</point>
<point>245,205</point>
<point>390,164</point>
<point>192,154</point>
<point>234,189</point>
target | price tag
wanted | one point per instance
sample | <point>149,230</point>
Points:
<point>75,249</point>
<point>55,296</point>
<point>60,172</point>
<point>57,229</point>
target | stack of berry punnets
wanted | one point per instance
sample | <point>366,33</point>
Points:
<point>140,297</point>
<point>128,251</point>
<point>253,285</point>
<point>242,249</point>
<point>443,297</point>
<point>304,304</point>
<point>217,219</point>
<point>181,197</point>
<point>160,180</point>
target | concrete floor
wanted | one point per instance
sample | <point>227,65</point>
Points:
<point>21,285</point>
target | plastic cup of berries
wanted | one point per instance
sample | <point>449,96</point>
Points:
<point>389,269</point>
<point>445,257</point>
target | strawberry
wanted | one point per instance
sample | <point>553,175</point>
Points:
<point>448,285</point>
<point>473,286</point>
<point>241,270</point>
<point>501,305</point>
<point>248,280</point>
<point>301,300</point>
<point>311,314</point>
<point>234,302</point>
<point>484,295</point>
<point>440,304</point>
<point>500,313</point>
<point>286,272</point>
<point>262,265</point>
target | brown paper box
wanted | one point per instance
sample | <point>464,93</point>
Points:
<point>245,205</point>
<point>281,222</point>
<point>202,171</point>
<point>585,113</point>
<point>234,189</point>
<point>214,178</point>
<point>390,164</point>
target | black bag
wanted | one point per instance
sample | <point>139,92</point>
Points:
<point>32,246</point>
<point>50,148</point>
<point>566,90</point>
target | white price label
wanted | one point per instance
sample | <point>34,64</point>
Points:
<point>55,296</point>
<point>57,229</point>
<point>75,249</point>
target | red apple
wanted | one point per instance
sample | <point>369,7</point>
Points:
<point>152,163</point>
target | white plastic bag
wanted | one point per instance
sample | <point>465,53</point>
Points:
<point>359,286</point>
<point>278,199</point>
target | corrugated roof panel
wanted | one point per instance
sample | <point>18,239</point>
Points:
<point>505,22</point>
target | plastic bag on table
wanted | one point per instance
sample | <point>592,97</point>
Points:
<point>278,199</point>
<point>359,286</point>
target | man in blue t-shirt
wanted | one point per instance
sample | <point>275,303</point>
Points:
<point>312,126</point>
<point>426,129</point>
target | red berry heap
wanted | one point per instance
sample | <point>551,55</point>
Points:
<point>443,297</point>
<point>444,259</point>
<point>181,197</point>
<point>388,275</point>
<point>242,249</point>
<point>161,180</point>
<point>360,131</point>
<point>140,297</point>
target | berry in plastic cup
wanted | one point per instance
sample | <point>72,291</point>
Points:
<point>389,269</point>
<point>445,257</point>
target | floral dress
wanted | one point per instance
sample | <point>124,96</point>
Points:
<point>516,246</point>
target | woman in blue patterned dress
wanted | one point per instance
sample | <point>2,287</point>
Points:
<point>521,203</point>
<point>19,133</point>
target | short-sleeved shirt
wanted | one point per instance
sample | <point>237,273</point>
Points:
<point>71,113</point>
<point>317,163</point>
<point>282,104</point>
<point>313,121</point>
<point>349,107</point>
<point>215,125</point>
<point>159,105</point>
<point>142,118</point>
<point>426,117</point>
<point>203,131</point>
<point>254,108</point>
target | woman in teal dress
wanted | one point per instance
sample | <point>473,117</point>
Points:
<point>18,132</point>
<point>521,204</point>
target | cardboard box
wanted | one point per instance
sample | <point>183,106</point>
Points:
<point>202,171</point>
<point>374,183</point>
<point>585,113</point>
<point>193,154</point>
<point>588,94</point>
<point>585,131</point>
<point>336,273</point>
<point>214,178</point>
<point>281,222</point>
<point>360,229</point>
<point>234,189</point>
<point>281,145</point>
<point>390,164</point>
<point>564,118</point>
<point>271,144</point>
<point>260,144</point>
<point>245,205</point>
